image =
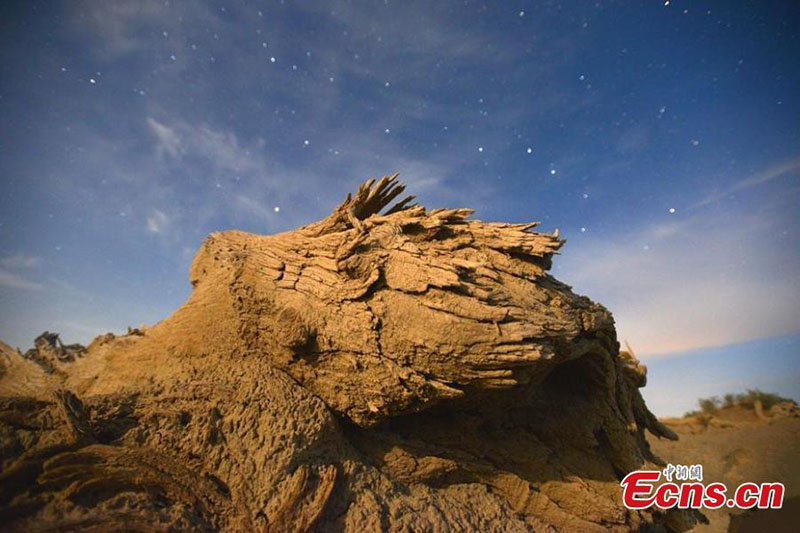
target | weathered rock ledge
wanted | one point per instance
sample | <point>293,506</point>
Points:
<point>411,370</point>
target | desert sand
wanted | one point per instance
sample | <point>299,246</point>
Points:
<point>736,445</point>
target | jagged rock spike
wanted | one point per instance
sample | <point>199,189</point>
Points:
<point>402,205</point>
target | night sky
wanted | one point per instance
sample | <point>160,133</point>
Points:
<point>661,138</point>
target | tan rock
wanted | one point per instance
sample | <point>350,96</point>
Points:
<point>412,370</point>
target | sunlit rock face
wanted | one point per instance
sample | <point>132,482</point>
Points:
<point>411,369</point>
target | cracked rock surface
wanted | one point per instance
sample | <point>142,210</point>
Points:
<point>386,368</point>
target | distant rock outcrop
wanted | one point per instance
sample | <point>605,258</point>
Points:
<point>397,371</point>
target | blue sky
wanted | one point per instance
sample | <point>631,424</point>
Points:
<point>662,140</point>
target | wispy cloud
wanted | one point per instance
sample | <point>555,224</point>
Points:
<point>15,281</point>
<point>709,279</point>
<point>11,265</point>
<point>255,208</point>
<point>236,176</point>
<point>122,26</point>
<point>19,261</point>
<point>168,142</point>
<point>785,168</point>
<point>157,222</point>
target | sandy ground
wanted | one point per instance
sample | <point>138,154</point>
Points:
<point>736,446</point>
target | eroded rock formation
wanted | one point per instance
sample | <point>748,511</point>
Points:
<point>409,370</point>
